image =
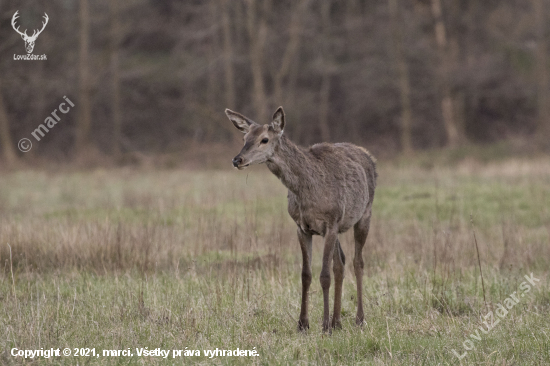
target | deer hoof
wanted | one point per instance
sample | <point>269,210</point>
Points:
<point>359,321</point>
<point>303,325</point>
<point>336,324</point>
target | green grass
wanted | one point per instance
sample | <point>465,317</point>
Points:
<point>118,259</point>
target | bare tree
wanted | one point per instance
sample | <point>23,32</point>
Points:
<point>292,48</point>
<point>214,51</point>
<point>229,72</point>
<point>228,45</point>
<point>404,82</point>
<point>324,93</point>
<point>257,31</point>
<point>85,120</point>
<point>451,128</point>
<point>115,75</point>
<point>543,94</point>
<point>8,149</point>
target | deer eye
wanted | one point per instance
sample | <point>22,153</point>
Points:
<point>264,141</point>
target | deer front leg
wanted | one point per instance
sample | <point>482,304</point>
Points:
<point>305,245</point>
<point>330,243</point>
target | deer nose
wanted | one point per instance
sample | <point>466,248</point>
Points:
<point>237,160</point>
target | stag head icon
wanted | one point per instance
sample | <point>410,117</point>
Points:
<point>29,40</point>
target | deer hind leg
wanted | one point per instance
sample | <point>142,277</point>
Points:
<point>338,264</point>
<point>360,232</point>
<point>305,245</point>
<point>331,238</point>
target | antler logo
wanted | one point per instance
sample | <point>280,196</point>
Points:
<point>29,41</point>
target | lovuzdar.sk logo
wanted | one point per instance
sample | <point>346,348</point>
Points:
<point>29,40</point>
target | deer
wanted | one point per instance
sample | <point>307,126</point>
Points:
<point>29,41</point>
<point>330,189</point>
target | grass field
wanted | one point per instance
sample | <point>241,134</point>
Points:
<point>171,259</point>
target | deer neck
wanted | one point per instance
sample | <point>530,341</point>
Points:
<point>288,164</point>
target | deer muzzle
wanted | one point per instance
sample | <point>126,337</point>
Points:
<point>237,160</point>
<point>238,163</point>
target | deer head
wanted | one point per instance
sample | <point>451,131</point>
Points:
<point>29,41</point>
<point>260,141</point>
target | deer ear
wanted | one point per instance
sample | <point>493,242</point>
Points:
<point>278,120</point>
<point>241,122</point>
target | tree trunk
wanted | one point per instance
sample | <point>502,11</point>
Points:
<point>291,49</point>
<point>229,72</point>
<point>404,82</point>
<point>324,93</point>
<point>543,96</point>
<point>452,130</point>
<point>41,94</point>
<point>85,120</point>
<point>213,84</point>
<point>257,31</point>
<point>115,77</point>
<point>8,149</point>
<point>353,20</point>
